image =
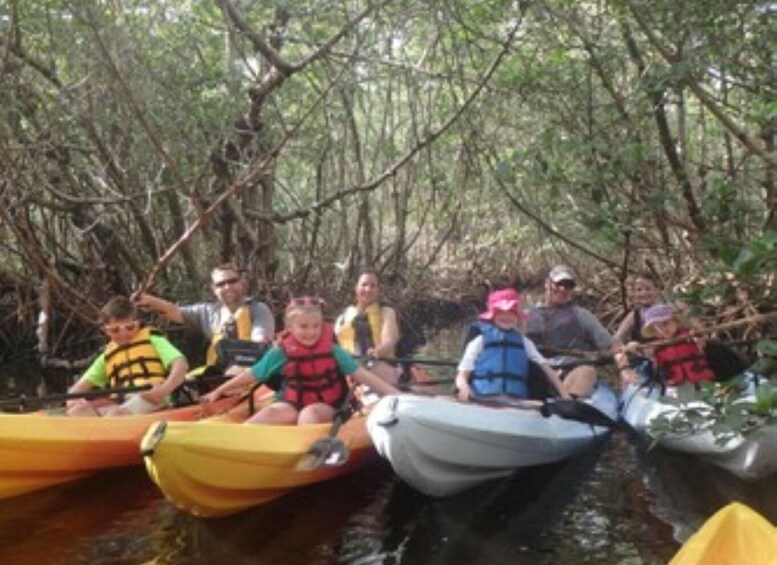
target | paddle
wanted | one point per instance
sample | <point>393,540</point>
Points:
<point>409,386</point>
<point>329,451</point>
<point>405,387</point>
<point>576,410</point>
<point>566,408</point>
<point>22,400</point>
<point>452,363</point>
<point>408,361</point>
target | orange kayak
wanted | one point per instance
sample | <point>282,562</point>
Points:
<point>42,449</point>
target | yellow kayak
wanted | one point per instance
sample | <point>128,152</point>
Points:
<point>220,466</point>
<point>41,449</point>
<point>734,535</point>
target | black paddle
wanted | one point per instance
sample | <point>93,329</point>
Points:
<point>566,408</point>
<point>576,410</point>
<point>23,400</point>
<point>329,451</point>
<point>409,361</point>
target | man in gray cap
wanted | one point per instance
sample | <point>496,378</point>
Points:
<point>559,325</point>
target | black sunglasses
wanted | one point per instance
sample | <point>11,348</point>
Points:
<point>569,285</point>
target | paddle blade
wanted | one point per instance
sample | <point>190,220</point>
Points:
<point>325,452</point>
<point>578,411</point>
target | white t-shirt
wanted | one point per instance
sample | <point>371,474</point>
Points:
<point>475,348</point>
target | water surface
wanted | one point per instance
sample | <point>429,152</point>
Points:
<point>615,504</point>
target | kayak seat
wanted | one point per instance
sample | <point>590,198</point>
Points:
<point>539,386</point>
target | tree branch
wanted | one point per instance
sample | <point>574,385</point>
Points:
<point>752,143</point>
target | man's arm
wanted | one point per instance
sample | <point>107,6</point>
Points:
<point>601,339</point>
<point>161,306</point>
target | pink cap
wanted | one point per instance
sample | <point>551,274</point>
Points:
<point>506,300</point>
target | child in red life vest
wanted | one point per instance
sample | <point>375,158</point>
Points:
<point>313,370</point>
<point>679,362</point>
<point>496,361</point>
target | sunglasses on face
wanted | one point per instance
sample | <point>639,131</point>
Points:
<point>225,282</point>
<point>566,285</point>
<point>113,329</point>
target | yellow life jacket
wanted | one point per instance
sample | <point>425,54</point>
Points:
<point>134,364</point>
<point>347,329</point>
<point>243,323</point>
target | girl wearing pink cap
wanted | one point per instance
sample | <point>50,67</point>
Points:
<point>496,362</point>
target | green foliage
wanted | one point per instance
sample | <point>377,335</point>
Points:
<point>723,409</point>
<point>766,364</point>
<point>115,114</point>
<point>758,256</point>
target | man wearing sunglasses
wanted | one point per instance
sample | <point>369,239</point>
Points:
<point>233,318</point>
<point>558,325</point>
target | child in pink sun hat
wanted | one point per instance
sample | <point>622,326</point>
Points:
<point>506,300</point>
<point>496,361</point>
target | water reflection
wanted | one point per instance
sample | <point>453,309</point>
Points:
<point>94,516</point>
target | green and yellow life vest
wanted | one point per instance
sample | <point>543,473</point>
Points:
<point>134,364</point>
<point>356,336</point>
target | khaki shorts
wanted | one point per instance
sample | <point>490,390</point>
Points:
<point>136,404</point>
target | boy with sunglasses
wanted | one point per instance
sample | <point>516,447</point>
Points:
<point>558,325</point>
<point>134,356</point>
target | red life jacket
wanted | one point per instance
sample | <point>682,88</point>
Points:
<point>683,362</point>
<point>311,374</point>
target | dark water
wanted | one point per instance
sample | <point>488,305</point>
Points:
<point>615,504</point>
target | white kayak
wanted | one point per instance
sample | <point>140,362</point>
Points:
<point>748,457</point>
<point>441,447</point>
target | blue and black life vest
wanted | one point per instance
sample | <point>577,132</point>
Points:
<point>503,366</point>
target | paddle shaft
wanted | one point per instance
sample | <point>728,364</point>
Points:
<point>755,320</point>
<point>567,409</point>
<point>320,453</point>
<point>93,393</point>
<point>342,415</point>
<point>452,363</point>
<point>408,361</point>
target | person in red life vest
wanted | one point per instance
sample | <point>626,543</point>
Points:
<point>678,362</point>
<point>134,356</point>
<point>312,367</point>
<point>496,361</point>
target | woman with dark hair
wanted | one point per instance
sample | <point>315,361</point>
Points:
<point>643,295</point>
<point>369,329</point>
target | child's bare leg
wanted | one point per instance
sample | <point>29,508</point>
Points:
<point>278,413</point>
<point>316,414</point>
<point>82,408</point>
